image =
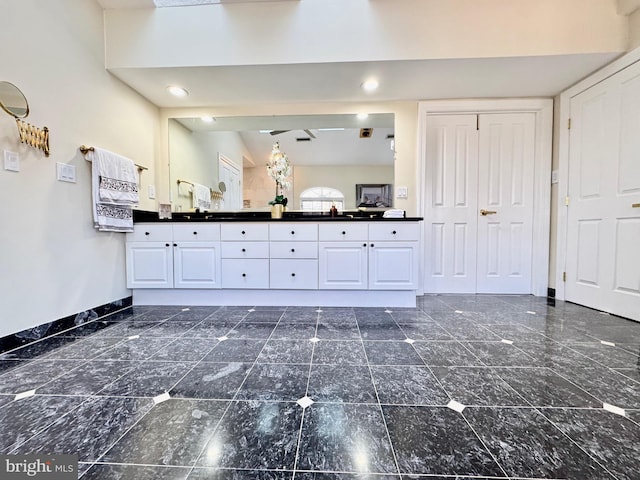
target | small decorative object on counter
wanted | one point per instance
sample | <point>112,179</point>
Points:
<point>333,211</point>
<point>279,169</point>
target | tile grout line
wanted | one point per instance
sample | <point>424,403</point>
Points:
<point>375,389</point>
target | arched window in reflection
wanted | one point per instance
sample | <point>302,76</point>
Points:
<point>320,199</point>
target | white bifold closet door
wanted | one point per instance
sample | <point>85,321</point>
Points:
<point>603,217</point>
<point>479,203</point>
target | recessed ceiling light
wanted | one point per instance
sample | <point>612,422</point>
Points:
<point>370,85</point>
<point>208,119</point>
<point>177,91</point>
<point>362,116</point>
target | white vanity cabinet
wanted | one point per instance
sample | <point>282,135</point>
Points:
<point>245,255</point>
<point>369,256</point>
<point>393,255</point>
<point>293,253</point>
<point>173,256</point>
<point>358,262</point>
<point>342,252</point>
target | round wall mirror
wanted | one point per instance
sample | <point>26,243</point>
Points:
<point>13,101</point>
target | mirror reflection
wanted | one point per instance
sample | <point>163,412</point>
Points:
<point>330,156</point>
<point>13,101</point>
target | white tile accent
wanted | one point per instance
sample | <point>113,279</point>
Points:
<point>314,340</point>
<point>388,311</point>
<point>222,339</point>
<point>251,310</point>
<point>133,337</point>
<point>508,342</point>
<point>305,402</point>
<point>186,309</point>
<point>459,311</point>
<point>161,398</point>
<point>319,310</point>
<point>410,341</point>
<point>531,313</point>
<point>28,393</point>
<point>458,407</point>
<point>609,344</point>
<point>613,409</point>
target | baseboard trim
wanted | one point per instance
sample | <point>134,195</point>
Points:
<point>35,334</point>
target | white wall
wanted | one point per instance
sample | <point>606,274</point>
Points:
<point>320,31</point>
<point>52,261</point>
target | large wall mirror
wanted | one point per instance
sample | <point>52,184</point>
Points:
<point>330,155</point>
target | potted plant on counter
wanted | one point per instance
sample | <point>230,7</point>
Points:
<point>279,169</point>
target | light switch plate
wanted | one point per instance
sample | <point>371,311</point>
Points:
<point>402,192</point>
<point>66,172</point>
<point>151,191</point>
<point>554,176</point>
<point>11,161</point>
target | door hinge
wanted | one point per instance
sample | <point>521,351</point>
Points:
<point>478,122</point>
<point>564,276</point>
<point>566,201</point>
<point>569,124</point>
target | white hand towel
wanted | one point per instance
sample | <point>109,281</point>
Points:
<point>109,216</point>
<point>393,213</point>
<point>118,178</point>
<point>201,197</point>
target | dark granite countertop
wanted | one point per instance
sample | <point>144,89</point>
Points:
<point>295,216</point>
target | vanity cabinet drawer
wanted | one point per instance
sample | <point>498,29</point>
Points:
<point>244,231</point>
<point>151,232</point>
<point>245,273</point>
<point>196,232</point>
<point>390,231</point>
<point>245,249</point>
<point>293,274</point>
<point>335,232</point>
<point>293,231</point>
<point>293,250</point>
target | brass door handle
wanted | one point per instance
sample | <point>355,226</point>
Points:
<point>484,212</point>
<point>635,205</point>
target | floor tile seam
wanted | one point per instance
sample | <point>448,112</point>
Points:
<point>618,372</point>
<point>575,442</point>
<point>484,445</point>
<point>384,420</point>
<point>98,319</point>
<point>188,371</point>
<point>82,362</point>
<point>131,427</point>
<point>595,395</point>
<point>53,420</point>
<point>233,399</point>
<point>52,355</point>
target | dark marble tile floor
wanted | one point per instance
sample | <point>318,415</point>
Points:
<point>462,387</point>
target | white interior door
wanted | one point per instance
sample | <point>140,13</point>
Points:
<point>479,163</point>
<point>505,200</point>
<point>230,174</point>
<point>451,217</point>
<point>603,217</point>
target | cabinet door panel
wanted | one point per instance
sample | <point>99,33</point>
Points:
<point>149,265</point>
<point>393,266</point>
<point>343,265</point>
<point>197,265</point>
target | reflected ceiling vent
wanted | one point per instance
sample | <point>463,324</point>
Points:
<point>366,132</point>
